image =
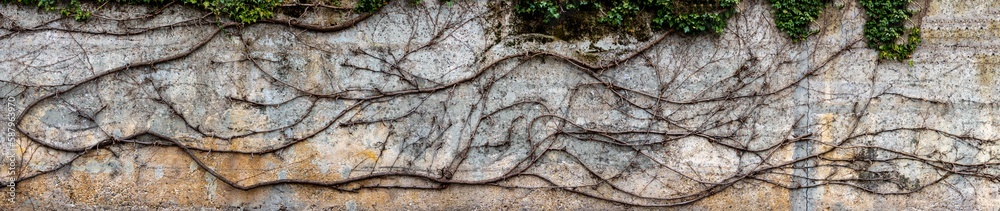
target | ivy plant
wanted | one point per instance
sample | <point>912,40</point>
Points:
<point>694,18</point>
<point>794,16</point>
<point>886,25</point>
<point>70,9</point>
<point>546,9</point>
<point>683,15</point>
<point>620,13</point>
<point>371,5</point>
<point>244,11</point>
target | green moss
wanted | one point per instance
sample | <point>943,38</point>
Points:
<point>588,57</point>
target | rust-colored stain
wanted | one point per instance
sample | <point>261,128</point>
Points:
<point>369,154</point>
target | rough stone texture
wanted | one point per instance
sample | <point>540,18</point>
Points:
<point>447,107</point>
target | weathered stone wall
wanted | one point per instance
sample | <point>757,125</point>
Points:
<point>436,106</point>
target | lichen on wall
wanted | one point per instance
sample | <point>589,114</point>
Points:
<point>437,105</point>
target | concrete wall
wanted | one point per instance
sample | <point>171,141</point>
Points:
<point>432,106</point>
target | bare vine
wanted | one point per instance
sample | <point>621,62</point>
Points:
<point>443,126</point>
